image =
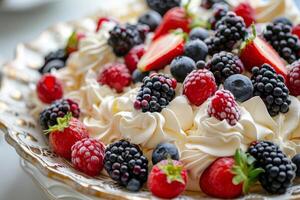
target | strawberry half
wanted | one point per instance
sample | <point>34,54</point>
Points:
<point>161,52</point>
<point>175,18</point>
<point>255,51</point>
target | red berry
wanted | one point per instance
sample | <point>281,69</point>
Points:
<point>247,12</point>
<point>88,155</point>
<point>167,179</point>
<point>223,106</point>
<point>115,75</point>
<point>296,30</point>
<point>65,134</point>
<point>216,180</point>
<point>293,78</point>
<point>199,85</point>
<point>133,57</point>
<point>49,88</point>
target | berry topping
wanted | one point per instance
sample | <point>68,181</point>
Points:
<point>279,171</point>
<point>134,56</point>
<point>162,6</point>
<point>116,76</point>
<point>229,177</point>
<point>88,155</point>
<point>167,179</point>
<point>240,86</point>
<point>198,33</point>
<point>198,86</point>
<point>49,88</point>
<point>296,161</point>
<point>54,61</point>
<point>247,12</point>
<point>219,11</point>
<point>225,64</point>
<point>124,37</point>
<point>255,47</point>
<point>73,42</point>
<point>196,49</point>
<point>59,108</point>
<point>138,76</point>
<point>151,19</point>
<point>164,151</point>
<point>161,52</point>
<point>156,93</point>
<point>283,41</point>
<point>293,78</point>
<point>271,88</point>
<point>102,20</point>
<point>126,164</point>
<point>223,107</point>
<point>65,134</point>
<point>181,66</point>
<point>283,20</point>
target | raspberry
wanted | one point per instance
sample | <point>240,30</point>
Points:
<point>293,78</point>
<point>246,11</point>
<point>199,85</point>
<point>88,156</point>
<point>223,106</point>
<point>133,57</point>
<point>115,75</point>
<point>49,88</point>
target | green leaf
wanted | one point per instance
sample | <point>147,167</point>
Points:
<point>172,171</point>
<point>62,123</point>
<point>255,172</point>
<point>237,180</point>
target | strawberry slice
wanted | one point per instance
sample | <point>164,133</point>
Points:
<point>161,52</point>
<point>256,51</point>
<point>175,18</point>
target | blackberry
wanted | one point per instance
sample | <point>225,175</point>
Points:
<point>280,36</point>
<point>59,108</point>
<point>271,88</point>
<point>229,30</point>
<point>279,171</point>
<point>156,93</point>
<point>54,60</point>
<point>162,6</point>
<point>219,11</point>
<point>123,37</point>
<point>225,64</point>
<point>126,164</point>
<point>210,3</point>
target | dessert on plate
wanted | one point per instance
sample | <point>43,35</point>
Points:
<point>186,96</point>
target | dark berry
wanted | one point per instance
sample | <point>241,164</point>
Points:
<point>164,151</point>
<point>279,171</point>
<point>219,11</point>
<point>225,64</point>
<point>296,161</point>
<point>196,49</point>
<point>240,86</point>
<point>151,18</point>
<point>55,60</point>
<point>162,6</point>
<point>271,88</point>
<point>283,20</point>
<point>138,76</point>
<point>198,33</point>
<point>181,67</point>
<point>126,164</point>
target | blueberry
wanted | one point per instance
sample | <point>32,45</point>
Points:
<point>151,18</point>
<point>198,33</point>
<point>133,185</point>
<point>296,161</point>
<point>240,86</point>
<point>196,49</point>
<point>181,67</point>
<point>138,76</point>
<point>283,20</point>
<point>163,151</point>
<point>52,65</point>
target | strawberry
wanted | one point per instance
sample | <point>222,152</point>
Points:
<point>229,177</point>
<point>175,18</point>
<point>73,42</point>
<point>161,52</point>
<point>296,30</point>
<point>167,179</point>
<point>134,56</point>
<point>255,51</point>
<point>65,134</point>
<point>247,12</point>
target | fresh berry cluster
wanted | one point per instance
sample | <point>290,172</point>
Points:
<point>271,88</point>
<point>279,171</point>
<point>156,93</point>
